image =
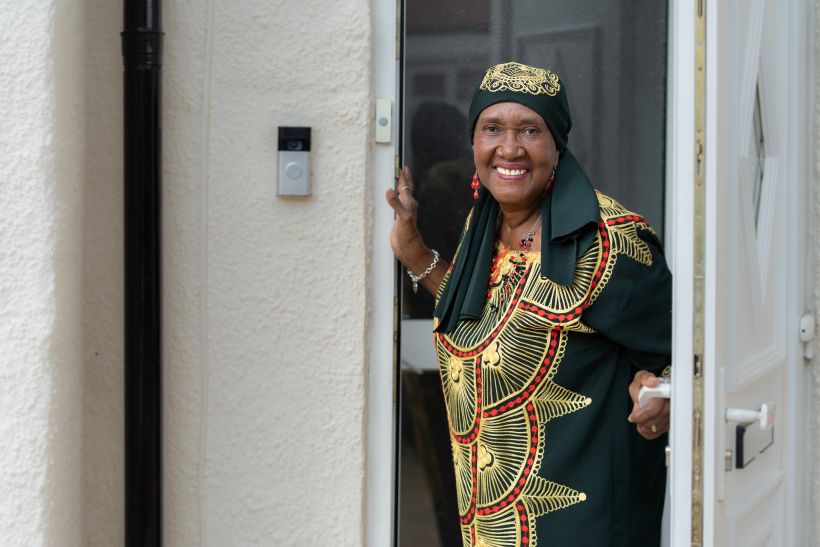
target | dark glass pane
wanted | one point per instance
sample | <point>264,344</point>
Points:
<point>611,57</point>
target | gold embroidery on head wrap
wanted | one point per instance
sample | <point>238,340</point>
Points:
<point>520,78</point>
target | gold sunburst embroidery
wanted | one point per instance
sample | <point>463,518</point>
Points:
<point>625,241</point>
<point>542,496</point>
<point>499,442</point>
<point>554,400</point>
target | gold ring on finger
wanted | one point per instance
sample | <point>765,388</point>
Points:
<point>654,428</point>
<point>403,188</point>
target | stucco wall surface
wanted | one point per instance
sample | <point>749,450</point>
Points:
<point>41,147</point>
<point>285,280</point>
<point>264,297</point>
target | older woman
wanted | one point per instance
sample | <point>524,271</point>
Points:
<point>554,312</point>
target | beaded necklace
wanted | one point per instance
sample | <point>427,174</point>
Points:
<point>526,241</point>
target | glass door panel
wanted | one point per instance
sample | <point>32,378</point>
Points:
<point>611,57</point>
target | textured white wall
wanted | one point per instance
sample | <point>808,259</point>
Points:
<point>41,379</point>
<point>265,302</point>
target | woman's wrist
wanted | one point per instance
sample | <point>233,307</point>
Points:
<point>416,277</point>
<point>416,258</point>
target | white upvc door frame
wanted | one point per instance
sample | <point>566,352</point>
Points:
<point>798,155</point>
<point>680,207</point>
<point>381,406</point>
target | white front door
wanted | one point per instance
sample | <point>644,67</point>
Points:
<point>754,259</point>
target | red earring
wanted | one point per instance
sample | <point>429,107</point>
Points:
<point>549,182</point>
<point>474,185</point>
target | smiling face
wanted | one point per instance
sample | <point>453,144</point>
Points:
<point>514,154</point>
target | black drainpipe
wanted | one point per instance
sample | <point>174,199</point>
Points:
<point>142,62</point>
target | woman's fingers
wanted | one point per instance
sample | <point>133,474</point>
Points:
<point>643,378</point>
<point>405,182</point>
<point>652,420</point>
<point>404,189</point>
<point>395,203</point>
<point>405,239</point>
<point>654,428</point>
<point>401,200</point>
<point>641,414</point>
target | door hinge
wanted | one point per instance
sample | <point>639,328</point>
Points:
<point>728,462</point>
<point>807,326</point>
<point>399,15</point>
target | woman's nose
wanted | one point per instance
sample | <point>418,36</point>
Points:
<point>509,147</point>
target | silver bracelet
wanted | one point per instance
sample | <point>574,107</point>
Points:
<point>425,273</point>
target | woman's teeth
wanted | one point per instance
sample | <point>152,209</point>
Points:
<point>510,172</point>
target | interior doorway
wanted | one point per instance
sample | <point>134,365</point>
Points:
<point>612,58</point>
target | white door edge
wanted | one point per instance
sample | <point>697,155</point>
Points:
<point>713,445</point>
<point>681,154</point>
<point>381,402</point>
<point>800,143</point>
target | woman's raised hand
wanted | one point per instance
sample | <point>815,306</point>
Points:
<point>405,238</point>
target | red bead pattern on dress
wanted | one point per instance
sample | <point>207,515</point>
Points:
<point>489,340</point>
<point>468,518</point>
<point>470,437</point>
<point>524,526</point>
<point>627,218</point>
<point>528,390</point>
<point>525,473</point>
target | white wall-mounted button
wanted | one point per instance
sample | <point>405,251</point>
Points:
<point>293,170</point>
<point>384,113</point>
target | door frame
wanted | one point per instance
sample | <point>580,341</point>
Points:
<point>680,229</point>
<point>685,98</point>
<point>681,101</point>
<point>381,328</point>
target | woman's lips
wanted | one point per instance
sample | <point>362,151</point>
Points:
<point>511,172</point>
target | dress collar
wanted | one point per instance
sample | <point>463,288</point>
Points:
<point>569,217</point>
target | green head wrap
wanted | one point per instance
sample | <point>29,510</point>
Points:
<point>537,88</point>
<point>569,212</point>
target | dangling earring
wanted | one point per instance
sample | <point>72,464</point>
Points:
<point>474,185</point>
<point>549,182</point>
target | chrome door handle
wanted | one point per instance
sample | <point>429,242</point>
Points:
<point>764,417</point>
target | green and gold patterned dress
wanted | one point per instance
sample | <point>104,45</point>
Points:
<point>537,395</point>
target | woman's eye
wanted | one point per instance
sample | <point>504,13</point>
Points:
<point>531,131</point>
<point>491,129</point>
